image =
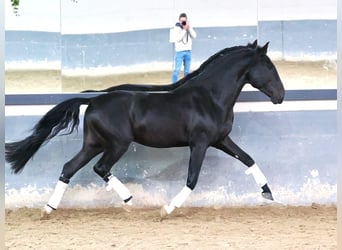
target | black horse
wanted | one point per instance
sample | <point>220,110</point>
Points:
<point>198,114</point>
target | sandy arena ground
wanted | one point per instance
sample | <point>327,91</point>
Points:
<point>262,227</point>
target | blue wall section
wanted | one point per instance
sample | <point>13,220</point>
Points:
<point>139,47</point>
<point>34,46</point>
<point>306,38</point>
<point>295,149</point>
<point>289,39</point>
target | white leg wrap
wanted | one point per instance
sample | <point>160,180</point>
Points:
<point>178,200</point>
<point>119,187</point>
<point>259,177</point>
<point>56,197</point>
<point>48,209</point>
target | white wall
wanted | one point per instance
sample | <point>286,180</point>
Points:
<point>34,15</point>
<point>104,16</point>
<point>132,15</point>
<point>270,10</point>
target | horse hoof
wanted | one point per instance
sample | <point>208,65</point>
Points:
<point>44,215</point>
<point>163,212</point>
<point>267,195</point>
<point>127,207</point>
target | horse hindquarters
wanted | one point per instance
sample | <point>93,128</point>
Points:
<point>100,135</point>
<point>109,128</point>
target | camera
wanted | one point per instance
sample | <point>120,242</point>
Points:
<point>184,23</point>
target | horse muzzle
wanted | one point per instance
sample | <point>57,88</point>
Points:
<point>277,96</point>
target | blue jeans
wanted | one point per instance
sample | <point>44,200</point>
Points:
<point>181,57</point>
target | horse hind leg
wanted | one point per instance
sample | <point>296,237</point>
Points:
<point>110,156</point>
<point>69,169</point>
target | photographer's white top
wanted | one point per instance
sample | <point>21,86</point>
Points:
<point>182,38</point>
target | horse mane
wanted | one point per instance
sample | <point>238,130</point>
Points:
<point>180,82</point>
<point>212,58</point>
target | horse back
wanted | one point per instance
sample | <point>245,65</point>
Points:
<point>152,119</point>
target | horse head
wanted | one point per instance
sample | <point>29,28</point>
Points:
<point>263,75</point>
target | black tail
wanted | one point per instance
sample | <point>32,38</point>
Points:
<point>63,116</point>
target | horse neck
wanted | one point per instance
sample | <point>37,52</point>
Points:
<point>228,79</point>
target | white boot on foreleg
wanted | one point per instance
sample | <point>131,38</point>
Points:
<point>259,177</point>
<point>261,180</point>
<point>177,201</point>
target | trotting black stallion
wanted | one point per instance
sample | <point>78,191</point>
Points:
<point>197,113</point>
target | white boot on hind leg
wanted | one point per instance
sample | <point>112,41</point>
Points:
<point>122,191</point>
<point>54,200</point>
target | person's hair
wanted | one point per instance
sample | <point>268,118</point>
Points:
<point>182,15</point>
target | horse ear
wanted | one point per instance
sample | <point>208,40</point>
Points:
<point>263,50</point>
<point>253,45</point>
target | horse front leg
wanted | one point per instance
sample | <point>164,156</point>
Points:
<point>229,147</point>
<point>195,164</point>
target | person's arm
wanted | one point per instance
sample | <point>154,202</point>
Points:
<point>179,34</point>
<point>192,32</point>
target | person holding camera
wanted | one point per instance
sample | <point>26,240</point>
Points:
<point>183,34</point>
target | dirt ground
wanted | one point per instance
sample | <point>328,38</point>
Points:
<point>295,75</point>
<point>261,227</point>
